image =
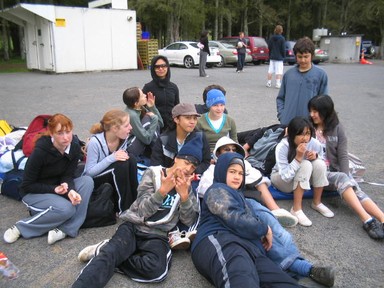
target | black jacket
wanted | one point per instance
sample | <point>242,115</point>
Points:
<point>204,41</point>
<point>47,168</point>
<point>165,91</point>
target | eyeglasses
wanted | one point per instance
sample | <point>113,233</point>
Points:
<point>163,66</point>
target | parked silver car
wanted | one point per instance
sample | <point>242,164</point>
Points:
<point>228,53</point>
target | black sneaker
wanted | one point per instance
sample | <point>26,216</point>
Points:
<point>374,229</point>
<point>323,275</point>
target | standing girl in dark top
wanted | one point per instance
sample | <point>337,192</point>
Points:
<point>165,91</point>
<point>204,52</point>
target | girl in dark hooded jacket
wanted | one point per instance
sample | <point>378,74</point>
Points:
<point>166,92</point>
<point>230,242</point>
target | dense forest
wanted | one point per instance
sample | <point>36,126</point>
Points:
<point>171,20</point>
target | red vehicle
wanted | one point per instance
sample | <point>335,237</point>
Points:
<point>257,45</point>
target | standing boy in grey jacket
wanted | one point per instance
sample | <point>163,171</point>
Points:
<point>140,247</point>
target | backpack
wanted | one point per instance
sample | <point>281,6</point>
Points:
<point>5,128</point>
<point>262,154</point>
<point>13,179</point>
<point>36,127</point>
<point>101,211</point>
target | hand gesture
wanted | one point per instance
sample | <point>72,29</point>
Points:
<point>167,183</point>
<point>61,189</point>
<point>183,182</point>
<point>121,155</point>
<point>74,197</point>
<point>150,99</point>
<point>267,239</point>
<point>300,150</point>
<point>311,155</point>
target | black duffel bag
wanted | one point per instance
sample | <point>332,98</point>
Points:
<point>101,211</point>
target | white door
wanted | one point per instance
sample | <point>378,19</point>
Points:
<point>44,44</point>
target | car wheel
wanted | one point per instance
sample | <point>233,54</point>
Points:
<point>316,62</point>
<point>291,63</point>
<point>221,63</point>
<point>188,62</point>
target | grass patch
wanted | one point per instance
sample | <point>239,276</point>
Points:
<point>14,65</point>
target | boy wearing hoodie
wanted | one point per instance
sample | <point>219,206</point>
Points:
<point>231,239</point>
<point>140,247</point>
<point>283,252</point>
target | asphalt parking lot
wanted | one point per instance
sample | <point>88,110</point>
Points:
<point>357,91</point>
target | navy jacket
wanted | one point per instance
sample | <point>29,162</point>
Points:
<point>276,46</point>
<point>225,209</point>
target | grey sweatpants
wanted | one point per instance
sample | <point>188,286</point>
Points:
<point>310,173</point>
<point>50,211</point>
<point>203,62</point>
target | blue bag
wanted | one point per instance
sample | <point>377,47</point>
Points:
<point>13,179</point>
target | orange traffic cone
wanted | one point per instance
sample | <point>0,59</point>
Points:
<point>363,61</point>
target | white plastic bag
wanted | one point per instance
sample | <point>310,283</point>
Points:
<point>356,167</point>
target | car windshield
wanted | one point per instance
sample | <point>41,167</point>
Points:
<point>231,41</point>
<point>259,42</point>
<point>228,45</point>
<point>194,44</point>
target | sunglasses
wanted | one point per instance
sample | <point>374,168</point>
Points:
<point>163,66</point>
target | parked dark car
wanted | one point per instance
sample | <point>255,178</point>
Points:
<point>368,48</point>
<point>257,45</point>
<point>289,55</point>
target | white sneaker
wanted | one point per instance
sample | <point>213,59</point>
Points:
<point>278,85</point>
<point>323,210</point>
<point>191,235</point>
<point>303,219</point>
<point>55,235</point>
<point>91,251</point>
<point>285,218</point>
<point>12,234</point>
<point>269,84</point>
<point>178,241</point>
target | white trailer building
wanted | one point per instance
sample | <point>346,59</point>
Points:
<point>72,39</point>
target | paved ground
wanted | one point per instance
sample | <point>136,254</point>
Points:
<point>356,89</point>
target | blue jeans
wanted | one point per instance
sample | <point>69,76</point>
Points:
<point>284,251</point>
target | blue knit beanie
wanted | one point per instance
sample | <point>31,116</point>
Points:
<point>214,97</point>
<point>192,151</point>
